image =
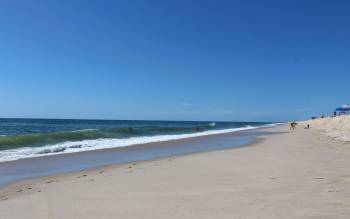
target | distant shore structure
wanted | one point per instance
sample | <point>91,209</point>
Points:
<point>339,111</point>
<point>343,110</point>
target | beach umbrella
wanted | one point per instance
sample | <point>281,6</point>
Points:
<point>346,106</point>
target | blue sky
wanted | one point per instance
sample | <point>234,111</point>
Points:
<point>174,60</point>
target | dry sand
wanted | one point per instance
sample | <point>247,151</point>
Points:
<point>300,174</point>
<point>337,127</point>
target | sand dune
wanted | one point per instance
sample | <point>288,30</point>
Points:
<point>335,127</point>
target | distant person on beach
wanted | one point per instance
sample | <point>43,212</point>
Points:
<point>322,116</point>
<point>293,125</point>
<point>307,126</point>
<point>334,114</point>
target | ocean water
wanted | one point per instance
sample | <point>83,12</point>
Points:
<point>25,138</point>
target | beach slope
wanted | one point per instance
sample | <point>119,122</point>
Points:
<point>337,127</point>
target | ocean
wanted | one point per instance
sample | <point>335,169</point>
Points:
<point>27,138</point>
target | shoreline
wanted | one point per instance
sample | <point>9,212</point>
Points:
<point>131,146</point>
<point>85,145</point>
<point>73,162</point>
<point>300,174</point>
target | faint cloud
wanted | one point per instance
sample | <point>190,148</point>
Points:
<point>280,111</point>
<point>185,104</point>
<point>223,111</point>
<point>205,111</point>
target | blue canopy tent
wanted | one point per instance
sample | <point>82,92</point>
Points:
<point>343,110</point>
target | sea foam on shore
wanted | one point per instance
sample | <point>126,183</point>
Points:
<point>104,143</point>
<point>335,127</point>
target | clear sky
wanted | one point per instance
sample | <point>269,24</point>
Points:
<point>174,60</point>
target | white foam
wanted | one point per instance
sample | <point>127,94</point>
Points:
<point>104,143</point>
<point>84,130</point>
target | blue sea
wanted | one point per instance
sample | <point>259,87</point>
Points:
<point>26,138</point>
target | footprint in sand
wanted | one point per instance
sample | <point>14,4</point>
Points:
<point>334,190</point>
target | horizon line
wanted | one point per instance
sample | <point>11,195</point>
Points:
<point>150,120</point>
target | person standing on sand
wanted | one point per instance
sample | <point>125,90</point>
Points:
<point>293,125</point>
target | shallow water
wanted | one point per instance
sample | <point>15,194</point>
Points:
<point>26,138</point>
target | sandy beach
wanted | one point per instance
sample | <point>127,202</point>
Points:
<point>337,127</point>
<point>174,109</point>
<point>300,174</point>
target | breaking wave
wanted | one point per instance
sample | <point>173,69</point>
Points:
<point>92,139</point>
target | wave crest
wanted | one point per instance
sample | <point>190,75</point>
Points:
<point>102,143</point>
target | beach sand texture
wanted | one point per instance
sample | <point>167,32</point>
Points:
<point>335,127</point>
<point>299,174</point>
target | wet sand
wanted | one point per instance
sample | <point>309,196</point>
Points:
<point>300,174</point>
